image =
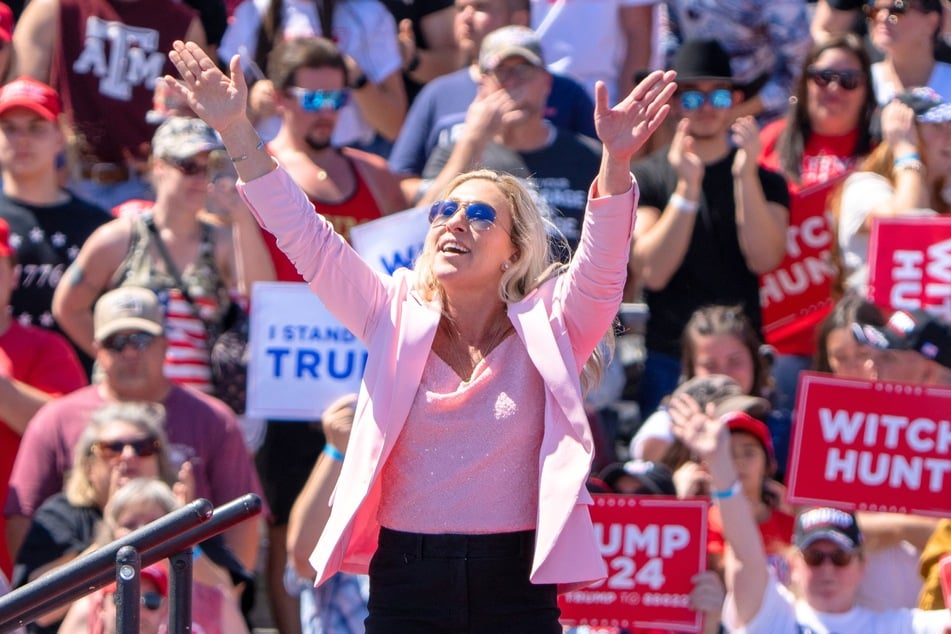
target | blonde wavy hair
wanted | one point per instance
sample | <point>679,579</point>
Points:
<point>535,262</point>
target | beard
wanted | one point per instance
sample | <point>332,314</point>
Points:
<point>318,145</point>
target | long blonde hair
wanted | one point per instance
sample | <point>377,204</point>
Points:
<point>535,262</point>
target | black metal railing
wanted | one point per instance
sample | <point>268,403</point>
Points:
<point>170,537</point>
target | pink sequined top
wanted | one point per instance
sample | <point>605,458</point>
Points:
<point>467,458</point>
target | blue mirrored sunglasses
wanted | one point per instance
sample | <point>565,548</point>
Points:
<point>481,216</point>
<point>720,99</point>
<point>320,100</point>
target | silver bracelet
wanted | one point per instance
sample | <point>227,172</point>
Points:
<point>245,157</point>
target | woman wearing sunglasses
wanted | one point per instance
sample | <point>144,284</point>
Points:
<point>825,567</point>
<point>818,144</point>
<point>122,441</point>
<point>170,249</point>
<point>906,175</point>
<point>214,604</point>
<point>477,360</point>
<point>905,31</point>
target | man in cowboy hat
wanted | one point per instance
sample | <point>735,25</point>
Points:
<point>710,220</point>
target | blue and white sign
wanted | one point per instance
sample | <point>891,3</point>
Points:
<point>393,241</point>
<point>302,358</point>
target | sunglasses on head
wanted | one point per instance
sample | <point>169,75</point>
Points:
<point>815,558</point>
<point>138,340</point>
<point>893,13</point>
<point>481,216</point>
<point>846,79</point>
<point>142,447</point>
<point>191,167</point>
<point>319,100</point>
<point>151,601</point>
<point>691,100</point>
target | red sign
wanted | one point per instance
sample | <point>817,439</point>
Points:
<point>871,445</point>
<point>652,545</point>
<point>910,264</point>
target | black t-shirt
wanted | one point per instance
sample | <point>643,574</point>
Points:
<point>47,239</point>
<point>415,11</point>
<point>714,270</point>
<point>562,171</point>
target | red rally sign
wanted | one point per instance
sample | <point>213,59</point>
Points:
<point>871,445</point>
<point>652,546</point>
<point>910,264</point>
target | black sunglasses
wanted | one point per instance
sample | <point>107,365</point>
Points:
<point>481,216</point>
<point>151,601</point>
<point>191,167</point>
<point>138,340</point>
<point>846,79</point>
<point>815,558</point>
<point>142,447</point>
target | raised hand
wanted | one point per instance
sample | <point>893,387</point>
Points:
<point>624,128</point>
<point>220,100</point>
<point>696,428</point>
<point>899,129</point>
<point>745,135</point>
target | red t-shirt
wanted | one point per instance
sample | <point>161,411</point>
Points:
<point>795,296</point>
<point>43,360</point>
<point>776,531</point>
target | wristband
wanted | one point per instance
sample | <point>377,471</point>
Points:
<point>683,205</point>
<point>333,452</point>
<point>911,156</point>
<point>726,494</point>
<point>245,157</point>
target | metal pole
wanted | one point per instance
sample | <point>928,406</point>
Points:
<point>180,592</point>
<point>128,590</point>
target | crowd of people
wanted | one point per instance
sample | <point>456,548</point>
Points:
<point>725,166</point>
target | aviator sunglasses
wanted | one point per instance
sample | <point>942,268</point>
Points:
<point>138,340</point>
<point>143,447</point>
<point>893,12</point>
<point>481,216</point>
<point>815,558</point>
<point>846,79</point>
<point>319,100</point>
<point>191,167</point>
<point>691,100</point>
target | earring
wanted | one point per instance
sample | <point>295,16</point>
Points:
<point>505,266</point>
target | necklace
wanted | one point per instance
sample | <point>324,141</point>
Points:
<point>465,357</point>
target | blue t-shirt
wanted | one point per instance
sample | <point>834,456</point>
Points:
<point>437,114</point>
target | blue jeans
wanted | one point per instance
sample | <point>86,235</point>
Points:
<point>429,584</point>
<point>785,371</point>
<point>661,375</point>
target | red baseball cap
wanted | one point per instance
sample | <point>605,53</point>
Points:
<point>26,92</point>
<point>5,249</point>
<point>743,422</point>
<point>6,22</point>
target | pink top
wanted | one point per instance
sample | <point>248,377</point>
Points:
<point>468,446</point>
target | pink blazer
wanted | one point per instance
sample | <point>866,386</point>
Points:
<point>560,323</point>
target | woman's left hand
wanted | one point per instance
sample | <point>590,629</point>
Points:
<point>624,128</point>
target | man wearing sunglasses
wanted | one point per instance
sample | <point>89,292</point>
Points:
<point>826,567</point>
<point>130,346</point>
<point>710,220</point>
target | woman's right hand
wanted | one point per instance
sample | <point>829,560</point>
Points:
<point>697,429</point>
<point>899,129</point>
<point>220,100</point>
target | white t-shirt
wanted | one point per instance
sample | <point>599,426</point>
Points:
<point>781,613</point>
<point>657,425</point>
<point>862,192</point>
<point>363,29</point>
<point>891,579</point>
<point>940,81</point>
<point>583,39</point>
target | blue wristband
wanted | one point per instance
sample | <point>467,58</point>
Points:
<point>333,452</point>
<point>911,156</point>
<point>726,493</point>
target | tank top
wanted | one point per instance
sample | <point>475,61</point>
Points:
<point>187,360</point>
<point>358,208</point>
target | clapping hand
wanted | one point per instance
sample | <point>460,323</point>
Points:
<point>745,135</point>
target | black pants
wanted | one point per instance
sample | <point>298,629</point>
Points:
<point>458,584</point>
